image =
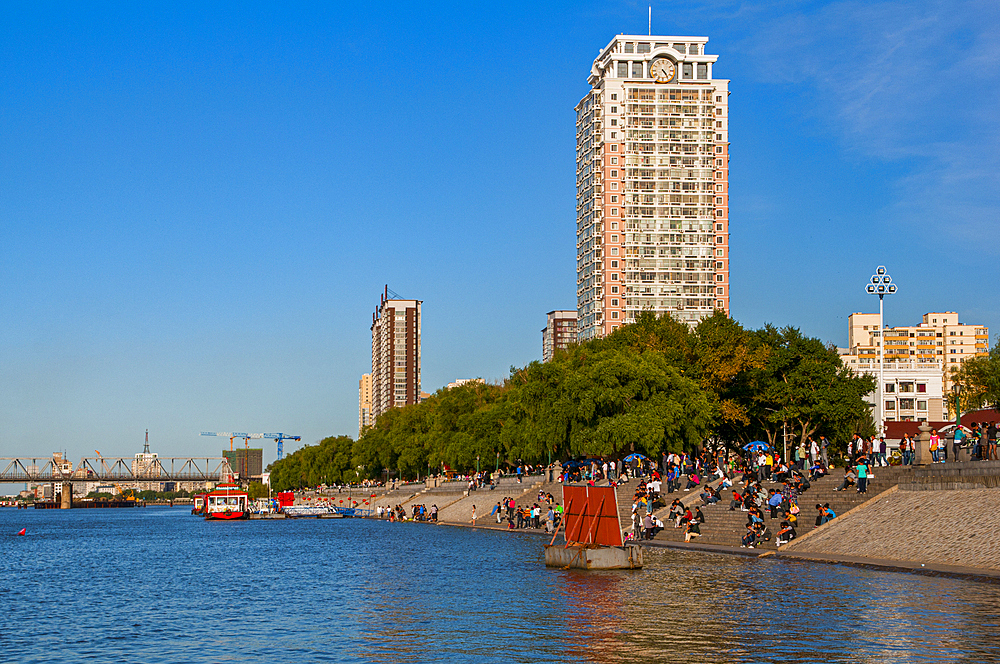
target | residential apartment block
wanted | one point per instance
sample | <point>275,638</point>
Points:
<point>938,337</point>
<point>918,361</point>
<point>559,332</point>
<point>364,402</point>
<point>652,167</point>
<point>395,377</point>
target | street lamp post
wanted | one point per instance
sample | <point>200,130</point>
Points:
<point>957,388</point>
<point>784,437</point>
<point>881,285</point>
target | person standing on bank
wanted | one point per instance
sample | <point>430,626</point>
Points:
<point>935,440</point>
<point>957,441</point>
<point>473,515</point>
<point>862,475</point>
<point>823,445</point>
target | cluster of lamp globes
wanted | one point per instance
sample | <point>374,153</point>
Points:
<point>881,283</point>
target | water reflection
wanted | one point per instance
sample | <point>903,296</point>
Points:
<point>157,586</point>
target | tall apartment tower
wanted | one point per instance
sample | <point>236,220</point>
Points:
<point>364,402</point>
<point>395,373</point>
<point>652,176</point>
<point>559,332</point>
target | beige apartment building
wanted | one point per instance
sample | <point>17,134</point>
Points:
<point>364,402</point>
<point>918,361</point>
<point>652,176</point>
<point>938,337</point>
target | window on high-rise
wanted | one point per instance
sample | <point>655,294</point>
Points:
<point>680,48</point>
<point>622,72</point>
<point>687,70</point>
<point>636,70</point>
<point>630,47</point>
<point>702,71</point>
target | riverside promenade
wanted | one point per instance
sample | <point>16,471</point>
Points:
<point>918,529</point>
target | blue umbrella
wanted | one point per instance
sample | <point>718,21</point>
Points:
<point>756,446</point>
<point>635,455</point>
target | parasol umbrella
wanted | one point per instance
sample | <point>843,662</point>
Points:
<point>756,446</point>
<point>635,455</point>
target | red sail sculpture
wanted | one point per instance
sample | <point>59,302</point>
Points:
<point>591,515</point>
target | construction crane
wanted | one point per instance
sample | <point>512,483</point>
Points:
<point>280,437</point>
<point>124,496</point>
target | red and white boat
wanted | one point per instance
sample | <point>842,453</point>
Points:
<point>198,506</point>
<point>228,502</point>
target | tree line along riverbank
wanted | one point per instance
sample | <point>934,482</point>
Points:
<point>653,386</point>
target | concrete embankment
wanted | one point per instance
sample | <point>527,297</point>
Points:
<point>956,528</point>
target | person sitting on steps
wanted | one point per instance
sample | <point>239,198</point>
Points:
<point>786,534</point>
<point>850,477</point>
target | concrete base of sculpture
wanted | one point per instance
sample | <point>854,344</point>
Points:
<point>594,556</point>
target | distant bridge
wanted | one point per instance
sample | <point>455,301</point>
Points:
<point>115,469</point>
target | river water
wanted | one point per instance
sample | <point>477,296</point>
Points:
<point>158,585</point>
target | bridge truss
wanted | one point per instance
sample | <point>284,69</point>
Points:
<point>116,469</point>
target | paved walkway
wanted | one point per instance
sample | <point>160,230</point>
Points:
<point>956,528</point>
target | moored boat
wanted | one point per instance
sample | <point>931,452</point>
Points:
<point>198,505</point>
<point>227,503</point>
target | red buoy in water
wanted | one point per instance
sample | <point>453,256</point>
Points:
<point>22,531</point>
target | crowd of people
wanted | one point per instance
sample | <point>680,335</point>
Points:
<point>535,516</point>
<point>763,484</point>
<point>417,513</point>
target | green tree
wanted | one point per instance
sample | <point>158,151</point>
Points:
<point>979,378</point>
<point>256,490</point>
<point>805,385</point>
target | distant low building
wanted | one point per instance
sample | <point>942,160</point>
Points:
<point>463,381</point>
<point>559,332</point>
<point>912,390</point>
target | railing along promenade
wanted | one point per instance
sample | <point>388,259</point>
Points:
<point>116,469</point>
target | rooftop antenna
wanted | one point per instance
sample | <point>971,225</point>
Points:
<point>651,20</point>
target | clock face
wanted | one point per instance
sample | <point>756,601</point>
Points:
<point>662,70</point>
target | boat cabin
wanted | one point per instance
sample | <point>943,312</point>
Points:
<point>228,501</point>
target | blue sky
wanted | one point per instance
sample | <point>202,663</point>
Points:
<point>199,205</point>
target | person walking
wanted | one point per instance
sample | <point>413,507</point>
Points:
<point>823,445</point>
<point>473,515</point>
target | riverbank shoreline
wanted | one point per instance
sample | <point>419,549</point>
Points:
<point>978,574</point>
<point>929,569</point>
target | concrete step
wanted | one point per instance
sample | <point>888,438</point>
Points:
<point>728,527</point>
